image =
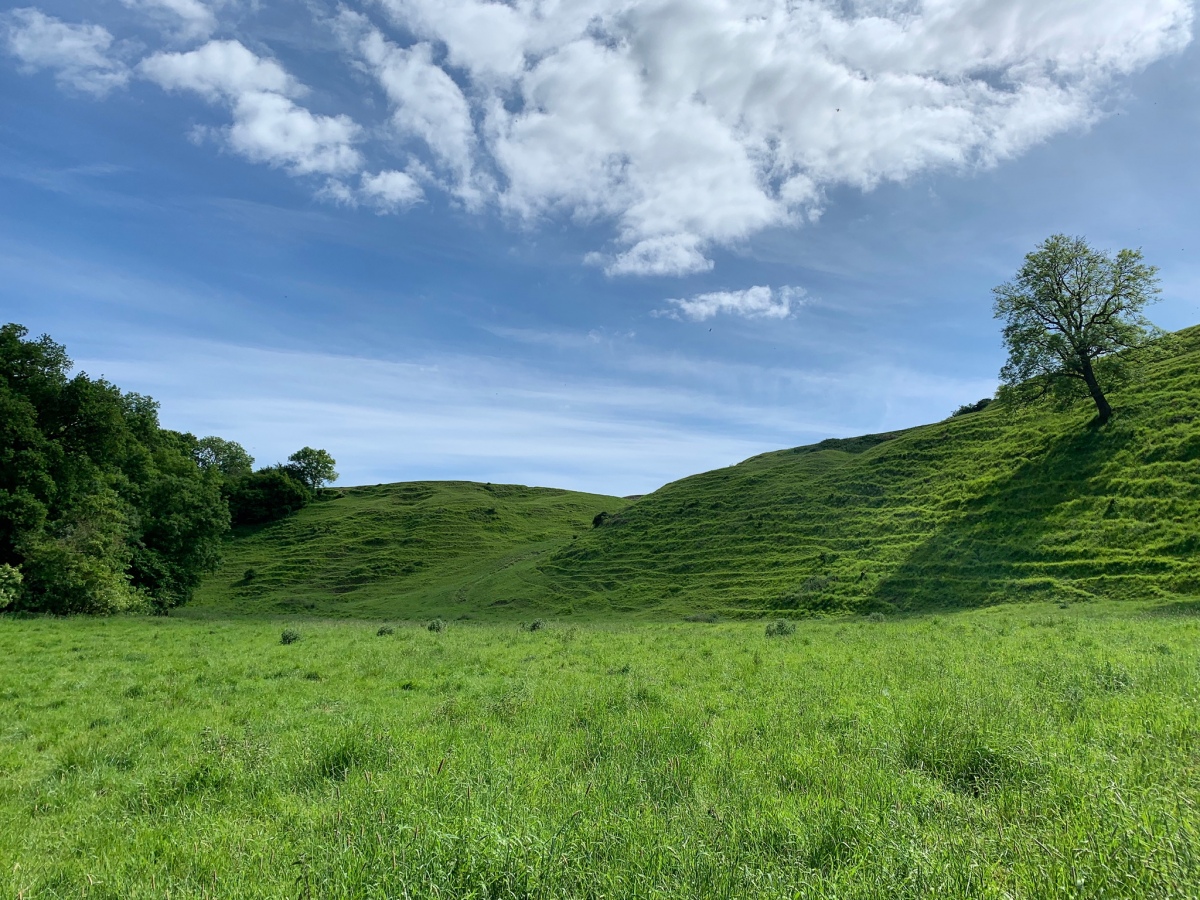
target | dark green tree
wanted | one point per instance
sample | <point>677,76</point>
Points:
<point>1073,323</point>
<point>100,509</point>
<point>312,468</point>
<point>267,495</point>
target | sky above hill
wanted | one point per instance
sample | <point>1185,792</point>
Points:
<point>595,244</point>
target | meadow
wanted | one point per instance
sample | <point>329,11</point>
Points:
<point>1022,750</point>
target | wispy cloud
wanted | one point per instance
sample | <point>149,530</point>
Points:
<point>189,18</point>
<point>758,302</point>
<point>79,55</point>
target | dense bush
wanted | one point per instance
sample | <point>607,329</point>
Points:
<point>977,406</point>
<point>266,495</point>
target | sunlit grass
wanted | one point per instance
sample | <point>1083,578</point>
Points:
<point>1020,751</point>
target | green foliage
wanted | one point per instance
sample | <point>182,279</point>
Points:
<point>437,626</point>
<point>312,468</point>
<point>289,636</point>
<point>1020,751</point>
<point>977,406</point>
<point>227,457</point>
<point>1068,314</point>
<point>10,585</point>
<point>267,495</point>
<point>780,628</point>
<point>100,509</point>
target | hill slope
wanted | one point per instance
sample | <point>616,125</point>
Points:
<point>410,550</point>
<point>995,505</point>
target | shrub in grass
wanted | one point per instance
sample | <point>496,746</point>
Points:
<point>536,625</point>
<point>782,628</point>
<point>289,636</point>
<point>876,617</point>
<point>385,630</point>
<point>437,626</point>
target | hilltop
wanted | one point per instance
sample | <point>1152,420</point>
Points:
<point>398,550</point>
<point>995,505</point>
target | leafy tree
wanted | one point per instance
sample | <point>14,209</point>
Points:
<point>10,585</point>
<point>312,467</point>
<point>227,457</point>
<point>100,509</point>
<point>1073,322</point>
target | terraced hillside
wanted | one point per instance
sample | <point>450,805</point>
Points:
<point>396,550</point>
<point>984,507</point>
<point>996,505</point>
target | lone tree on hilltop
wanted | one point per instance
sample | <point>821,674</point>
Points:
<point>312,468</point>
<point>1068,315</point>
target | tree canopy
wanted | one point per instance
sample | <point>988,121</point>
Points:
<point>103,510</point>
<point>1073,322</point>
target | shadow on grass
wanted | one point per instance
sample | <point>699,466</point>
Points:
<point>994,548</point>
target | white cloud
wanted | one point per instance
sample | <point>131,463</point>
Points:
<point>391,190</point>
<point>268,126</point>
<point>219,69</point>
<point>694,123</point>
<point>758,302</point>
<point>427,104</point>
<point>682,125</point>
<point>78,54</point>
<point>193,18</point>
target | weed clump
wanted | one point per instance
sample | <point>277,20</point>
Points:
<point>781,628</point>
<point>876,617</point>
<point>437,626</point>
<point>289,636</point>
<point>385,630</point>
<point>535,625</point>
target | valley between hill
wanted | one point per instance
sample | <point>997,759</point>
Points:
<point>991,506</point>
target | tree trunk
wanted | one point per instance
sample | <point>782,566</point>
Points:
<point>1103,410</point>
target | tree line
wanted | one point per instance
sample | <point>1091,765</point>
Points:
<point>102,510</point>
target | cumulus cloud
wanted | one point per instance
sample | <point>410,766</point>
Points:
<point>268,126</point>
<point>391,190</point>
<point>192,18</point>
<point>758,302</point>
<point>679,125</point>
<point>79,55</point>
<point>694,123</point>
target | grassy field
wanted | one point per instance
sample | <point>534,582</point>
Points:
<point>988,507</point>
<point>1026,750</point>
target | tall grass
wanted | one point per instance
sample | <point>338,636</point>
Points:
<point>1022,751</point>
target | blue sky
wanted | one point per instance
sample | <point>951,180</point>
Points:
<point>592,244</point>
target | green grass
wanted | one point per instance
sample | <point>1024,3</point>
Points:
<point>411,550</point>
<point>978,509</point>
<point>1021,751</point>
<point>983,508</point>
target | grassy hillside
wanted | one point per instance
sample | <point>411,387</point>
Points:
<point>988,506</point>
<point>991,506</point>
<point>410,550</point>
